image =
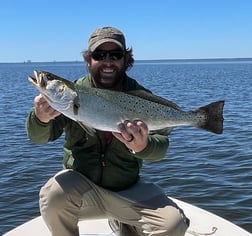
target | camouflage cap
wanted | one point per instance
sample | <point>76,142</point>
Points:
<point>104,35</point>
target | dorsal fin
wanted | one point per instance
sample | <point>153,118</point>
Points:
<point>153,98</point>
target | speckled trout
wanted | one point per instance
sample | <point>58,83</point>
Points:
<point>102,109</point>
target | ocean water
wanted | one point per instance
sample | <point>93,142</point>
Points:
<point>211,171</point>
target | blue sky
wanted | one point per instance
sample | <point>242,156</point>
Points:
<point>163,29</point>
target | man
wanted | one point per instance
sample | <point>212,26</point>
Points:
<point>101,175</point>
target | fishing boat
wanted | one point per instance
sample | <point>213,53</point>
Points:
<point>202,223</point>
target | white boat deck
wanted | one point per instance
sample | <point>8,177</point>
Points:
<point>202,223</point>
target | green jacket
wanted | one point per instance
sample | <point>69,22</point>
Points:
<point>108,164</point>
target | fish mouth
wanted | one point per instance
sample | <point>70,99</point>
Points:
<point>41,81</point>
<point>33,80</point>
<point>38,80</point>
<point>41,86</point>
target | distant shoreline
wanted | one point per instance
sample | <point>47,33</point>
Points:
<point>144,61</point>
<point>196,60</point>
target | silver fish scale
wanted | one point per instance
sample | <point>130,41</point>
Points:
<point>117,107</point>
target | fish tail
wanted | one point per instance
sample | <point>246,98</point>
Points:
<point>214,117</point>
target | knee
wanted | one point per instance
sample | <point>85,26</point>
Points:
<point>64,190</point>
<point>51,196</point>
<point>56,193</point>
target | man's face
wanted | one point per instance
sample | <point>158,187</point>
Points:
<point>107,65</point>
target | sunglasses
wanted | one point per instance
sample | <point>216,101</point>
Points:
<point>114,55</point>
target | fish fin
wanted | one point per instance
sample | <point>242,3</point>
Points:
<point>165,131</point>
<point>89,129</point>
<point>214,114</point>
<point>153,98</point>
<point>76,105</point>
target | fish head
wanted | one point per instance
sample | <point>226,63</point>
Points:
<point>58,92</point>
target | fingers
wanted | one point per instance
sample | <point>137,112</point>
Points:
<point>143,128</point>
<point>43,110</point>
<point>133,134</point>
<point>38,100</point>
<point>128,130</point>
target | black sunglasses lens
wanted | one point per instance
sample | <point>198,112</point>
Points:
<point>116,55</point>
<point>113,55</point>
<point>98,55</point>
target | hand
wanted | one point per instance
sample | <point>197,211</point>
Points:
<point>43,110</point>
<point>133,134</point>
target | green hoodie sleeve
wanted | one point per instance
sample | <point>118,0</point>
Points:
<point>156,149</point>
<point>40,132</point>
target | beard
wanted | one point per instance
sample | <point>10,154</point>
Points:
<point>108,78</point>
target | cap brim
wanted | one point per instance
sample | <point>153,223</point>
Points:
<point>102,41</point>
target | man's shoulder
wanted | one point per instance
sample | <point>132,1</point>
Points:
<point>132,84</point>
<point>83,81</point>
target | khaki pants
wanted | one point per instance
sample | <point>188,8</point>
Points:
<point>140,210</point>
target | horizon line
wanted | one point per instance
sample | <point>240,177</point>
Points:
<point>137,60</point>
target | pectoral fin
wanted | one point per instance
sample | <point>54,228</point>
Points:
<point>165,131</point>
<point>76,106</point>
